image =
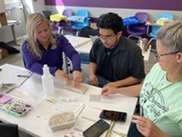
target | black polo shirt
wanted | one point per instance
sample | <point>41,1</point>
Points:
<point>125,60</point>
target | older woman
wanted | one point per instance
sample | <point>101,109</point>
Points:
<point>42,47</point>
<point>161,92</point>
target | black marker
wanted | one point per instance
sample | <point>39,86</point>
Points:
<point>26,76</point>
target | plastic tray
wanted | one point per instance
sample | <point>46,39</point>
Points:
<point>62,120</point>
<point>15,106</point>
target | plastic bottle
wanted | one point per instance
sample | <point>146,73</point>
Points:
<point>47,81</point>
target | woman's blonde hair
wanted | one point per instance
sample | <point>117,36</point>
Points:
<point>34,20</point>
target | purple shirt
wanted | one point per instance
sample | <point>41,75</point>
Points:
<point>52,57</point>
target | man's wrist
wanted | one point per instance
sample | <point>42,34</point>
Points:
<point>118,84</point>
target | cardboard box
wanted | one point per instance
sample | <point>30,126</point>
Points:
<point>3,19</point>
<point>4,52</point>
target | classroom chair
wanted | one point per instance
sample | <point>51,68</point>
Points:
<point>83,22</point>
<point>47,13</point>
<point>155,28</point>
<point>139,29</point>
<point>8,130</point>
<point>64,24</point>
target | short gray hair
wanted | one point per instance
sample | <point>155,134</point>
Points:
<point>171,36</point>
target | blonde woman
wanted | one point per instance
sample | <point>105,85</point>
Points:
<point>43,47</point>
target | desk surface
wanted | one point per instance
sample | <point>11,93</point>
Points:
<point>78,41</point>
<point>31,90</point>
<point>12,23</point>
<point>81,44</point>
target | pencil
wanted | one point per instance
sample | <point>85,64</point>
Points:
<point>110,129</point>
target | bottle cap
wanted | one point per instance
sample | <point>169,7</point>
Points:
<point>45,66</point>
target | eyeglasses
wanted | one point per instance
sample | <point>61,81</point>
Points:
<point>157,56</point>
<point>106,37</point>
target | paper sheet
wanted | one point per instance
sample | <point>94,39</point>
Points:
<point>106,99</point>
<point>58,107</point>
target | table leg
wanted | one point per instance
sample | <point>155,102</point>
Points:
<point>65,63</point>
<point>77,32</point>
<point>14,35</point>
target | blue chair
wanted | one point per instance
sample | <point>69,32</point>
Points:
<point>82,20</point>
<point>155,28</point>
<point>138,29</point>
<point>166,15</point>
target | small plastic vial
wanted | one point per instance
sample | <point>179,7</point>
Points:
<point>47,81</point>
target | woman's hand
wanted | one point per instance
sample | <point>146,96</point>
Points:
<point>147,128</point>
<point>93,80</point>
<point>61,74</point>
<point>77,76</point>
<point>106,90</point>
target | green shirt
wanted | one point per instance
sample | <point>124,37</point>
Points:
<point>161,101</point>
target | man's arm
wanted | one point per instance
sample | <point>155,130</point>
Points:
<point>92,78</point>
<point>93,68</point>
<point>130,91</point>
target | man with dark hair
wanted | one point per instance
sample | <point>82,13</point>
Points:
<point>114,59</point>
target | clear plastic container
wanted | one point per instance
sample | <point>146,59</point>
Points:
<point>62,120</point>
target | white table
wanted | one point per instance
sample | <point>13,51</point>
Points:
<point>81,44</point>
<point>12,23</point>
<point>31,90</point>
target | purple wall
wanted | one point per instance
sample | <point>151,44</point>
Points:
<point>130,4</point>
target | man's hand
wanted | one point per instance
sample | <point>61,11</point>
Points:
<point>93,80</point>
